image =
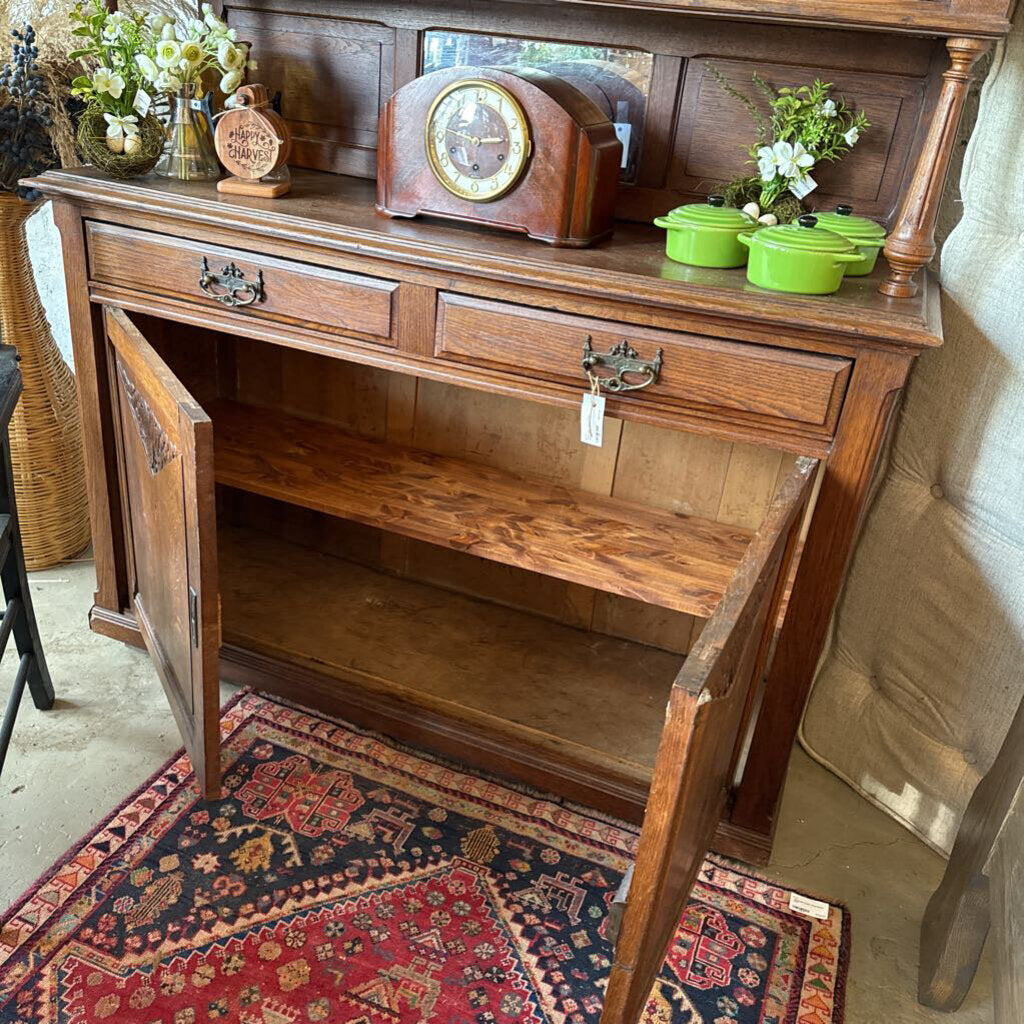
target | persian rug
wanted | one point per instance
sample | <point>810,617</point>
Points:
<point>344,879</point>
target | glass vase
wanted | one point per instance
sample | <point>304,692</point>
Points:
<point>189,153</point>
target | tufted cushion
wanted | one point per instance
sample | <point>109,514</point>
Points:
<point>926,666</point>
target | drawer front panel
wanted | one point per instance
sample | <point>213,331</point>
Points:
<point>732,377</point>
<point>293,293</point>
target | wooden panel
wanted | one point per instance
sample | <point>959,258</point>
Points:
<point>435,649</point>
<point>709,372</point>
<point>714,131</point>
<point>673,561</point>
<point>704,721</point>
<point>334,75</point>
<point>297,294</point>
<point>344,34</point>
<point>167,451</point>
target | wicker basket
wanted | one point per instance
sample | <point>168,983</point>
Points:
<point>45,431</point>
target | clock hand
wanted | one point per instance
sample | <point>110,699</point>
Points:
<point>492,140</point>
<point>463,135</point>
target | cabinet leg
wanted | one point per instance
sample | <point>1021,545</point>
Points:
<point>875,384</point>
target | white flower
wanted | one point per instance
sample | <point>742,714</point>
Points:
<point>104,80</point>
<point>118,127</point>
<point>766,163</point>
<point>792,159</point>
<point>212,21</point>
<point>166,82</point>
<point>230,57</point>
<point>168,53</point>
<point>114,26</point>
<point>156,23</point>
<point>852,136</point>
<point>828,108</point>
<point>169,30</point>
<point>231,81</point>
<point>147,66</point>
<point>191,55</point>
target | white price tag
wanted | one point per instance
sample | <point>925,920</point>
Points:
<point>624,131</point>
<point>142,102</point>
<point>803,186</point>
<point>808,907</point>
<point>592,419</point>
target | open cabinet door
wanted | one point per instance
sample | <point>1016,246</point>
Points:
<point>166,454</point>
<point>707,708</point>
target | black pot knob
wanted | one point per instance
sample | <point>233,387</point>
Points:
<point>808,220</point>
<point>716,200</point>
<point>844,209</point>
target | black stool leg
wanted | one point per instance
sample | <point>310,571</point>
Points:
<point>15,587</point>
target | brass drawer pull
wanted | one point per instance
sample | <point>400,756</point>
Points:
<point>622,359</point>
<point>236,291</point>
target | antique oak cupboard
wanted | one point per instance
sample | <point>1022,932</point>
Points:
<point>336,456</point>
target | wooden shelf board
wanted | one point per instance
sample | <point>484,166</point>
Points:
<point>559,692</point>
<point>678,562</point>
<point>630,268</point>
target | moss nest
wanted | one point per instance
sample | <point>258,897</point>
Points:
<point>92,141</point>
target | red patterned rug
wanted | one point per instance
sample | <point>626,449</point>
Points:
<point>343,879</point>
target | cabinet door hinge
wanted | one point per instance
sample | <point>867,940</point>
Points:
<point>193,616</point>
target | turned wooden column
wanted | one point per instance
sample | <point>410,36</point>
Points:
<point>911,245</point>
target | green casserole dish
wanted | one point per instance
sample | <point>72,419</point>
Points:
<point>706,234</point>
<point>800,258</point>
<point>868,236</point>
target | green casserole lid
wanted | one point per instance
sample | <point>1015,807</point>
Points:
<point>859,230</point>
<point>803,236</point>
<point>712,214</point>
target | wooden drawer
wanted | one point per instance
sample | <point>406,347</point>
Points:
<point>295,294</point>
<point>726,376</point>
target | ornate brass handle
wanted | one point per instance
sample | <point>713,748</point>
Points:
<point>622,359</point>
<point>236,291</point>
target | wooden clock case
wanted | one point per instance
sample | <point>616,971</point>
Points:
<point>566,195</point>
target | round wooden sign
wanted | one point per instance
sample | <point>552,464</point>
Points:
<point>252,139</point>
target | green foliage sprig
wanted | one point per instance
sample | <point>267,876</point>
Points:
<point>804,126</point>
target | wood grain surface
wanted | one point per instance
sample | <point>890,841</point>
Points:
<point>706,371</point>
<point>677,562</point>
<point>293,293</point>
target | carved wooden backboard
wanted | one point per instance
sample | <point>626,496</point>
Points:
<point>337,62</point>
<point>167,449</point>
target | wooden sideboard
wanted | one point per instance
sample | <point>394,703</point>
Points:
<point>337,456</point>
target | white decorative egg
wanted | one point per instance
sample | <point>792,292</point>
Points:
<point>768,220</point>
<point>752,210</point>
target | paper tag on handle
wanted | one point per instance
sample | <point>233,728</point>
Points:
<point>808,907</point>
<point>592,416</point>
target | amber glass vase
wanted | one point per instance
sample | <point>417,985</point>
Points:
<point>189,154</point>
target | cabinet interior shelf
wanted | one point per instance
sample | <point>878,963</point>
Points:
<point>683,563</point>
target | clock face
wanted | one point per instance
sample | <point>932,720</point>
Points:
<point>477,140</point>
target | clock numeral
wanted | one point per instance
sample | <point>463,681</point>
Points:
<point>514,124</point>
<point>516,148</point>
<point>474,187</point>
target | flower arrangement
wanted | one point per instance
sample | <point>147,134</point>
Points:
<point>805,126</point>
<point>131,58</point>
<point>25,120</point>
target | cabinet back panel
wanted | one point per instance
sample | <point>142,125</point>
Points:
<point>337,61</point>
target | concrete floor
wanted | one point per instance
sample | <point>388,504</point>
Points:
<point>111,728</point>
